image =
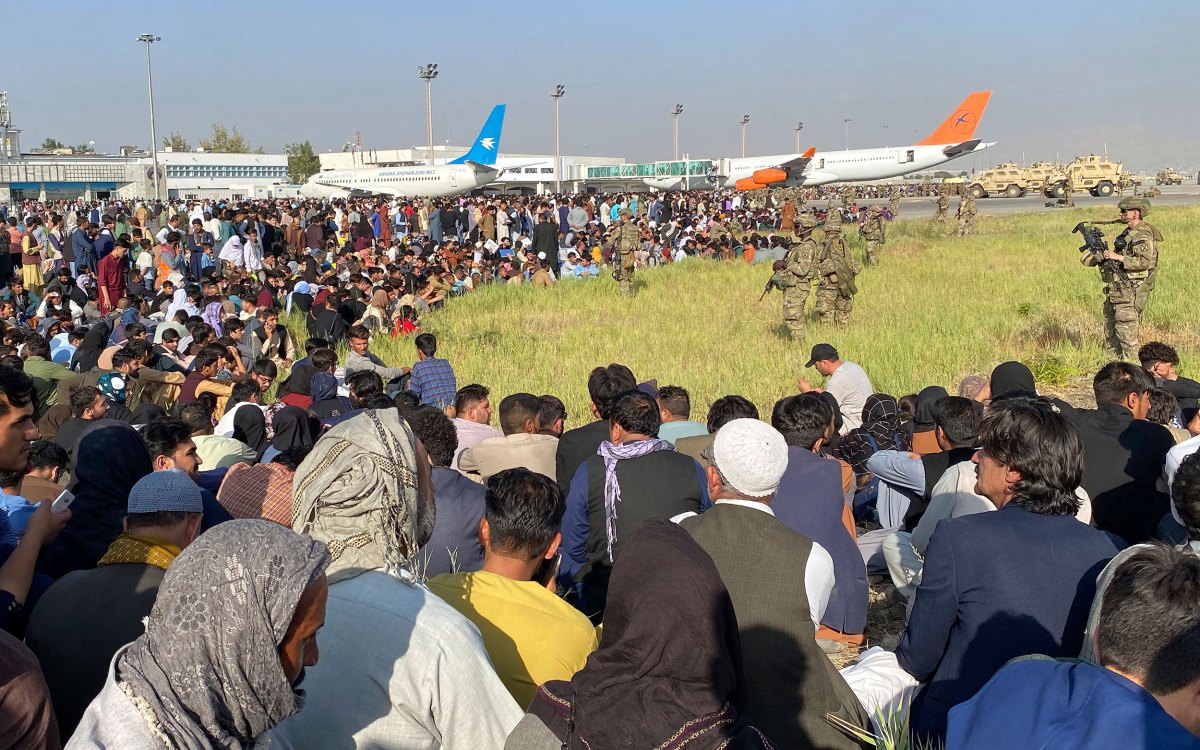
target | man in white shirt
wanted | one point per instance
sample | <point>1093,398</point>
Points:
<point>848,383</point>
<point>472,419</point>
<point>173,225</point>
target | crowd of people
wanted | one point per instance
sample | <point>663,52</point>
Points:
<point>268,543</point>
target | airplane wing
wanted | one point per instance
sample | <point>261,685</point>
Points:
<point>797,166</point>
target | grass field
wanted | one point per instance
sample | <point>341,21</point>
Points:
<point>935,309</point>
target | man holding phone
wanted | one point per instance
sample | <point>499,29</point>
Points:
<point>19,587</point>
<point>531,635</point>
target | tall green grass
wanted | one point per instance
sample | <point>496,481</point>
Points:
<point>935,309</point>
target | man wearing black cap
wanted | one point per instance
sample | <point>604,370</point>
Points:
<point>848,383</point>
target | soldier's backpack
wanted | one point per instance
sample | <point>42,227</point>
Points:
<point>845,273</point>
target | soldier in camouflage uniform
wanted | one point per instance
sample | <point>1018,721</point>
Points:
<point>1068,190</point>
<point>835,285</point>
<point>847,197</point>
<point>875,234</point>
<point>794,275</point>
<point>966,214</point>
<point>894,200</point>
<point>625,239</point>
<point>1128,286</point>
<point>943,208</point>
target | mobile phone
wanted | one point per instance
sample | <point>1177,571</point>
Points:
<point>547,570</point>
<point>62,502</point>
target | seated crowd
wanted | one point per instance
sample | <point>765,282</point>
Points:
<point>269,545</point>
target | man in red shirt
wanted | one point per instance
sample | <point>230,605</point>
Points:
<point>110,277</point>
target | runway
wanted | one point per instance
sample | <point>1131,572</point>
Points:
<point>1173,195</point>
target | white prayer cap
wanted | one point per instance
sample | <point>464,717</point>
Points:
<point>751,455</point>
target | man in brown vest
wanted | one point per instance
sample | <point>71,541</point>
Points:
<point>779,580</point>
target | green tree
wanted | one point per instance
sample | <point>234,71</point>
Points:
<point>50,144</point>
<point>226,141</point>
<point>84,148</point>
<point>176,142</point>
<point>302,162</point>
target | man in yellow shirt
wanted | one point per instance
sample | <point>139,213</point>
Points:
<point>532,636</point>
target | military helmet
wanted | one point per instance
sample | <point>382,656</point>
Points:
<point>834,227</point>
<point>876,208</point>
<point>806,221</point>
<point>1135,202</point>
<point>625,212</point>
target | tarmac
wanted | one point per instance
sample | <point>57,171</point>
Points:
<point>1173,195</point>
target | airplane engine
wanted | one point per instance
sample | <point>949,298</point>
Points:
<point>747,183</point>
<point>767,176</point>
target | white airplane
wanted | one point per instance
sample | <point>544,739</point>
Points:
<point>472,170</point>
<point>954,138</point>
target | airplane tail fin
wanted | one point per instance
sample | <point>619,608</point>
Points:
<point>961,125</point>
<point>487,143</point>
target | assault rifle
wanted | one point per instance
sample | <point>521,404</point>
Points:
<point>773,282</point>
<point>1095,244</point>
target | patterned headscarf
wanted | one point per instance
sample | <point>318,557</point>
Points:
<point>881,418</point>
<point>357,492</point>
<point>206,673</point>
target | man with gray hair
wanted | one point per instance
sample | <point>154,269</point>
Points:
<point>780,582</point>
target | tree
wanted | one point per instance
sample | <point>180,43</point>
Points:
<point>84,148</point>
<point>227,141</point>
<point>50,144</point>
<point>176,142</point>
<point>302,162</point>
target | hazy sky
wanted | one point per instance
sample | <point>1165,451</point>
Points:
<point>1068,77</point>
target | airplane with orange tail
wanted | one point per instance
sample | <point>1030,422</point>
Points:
<point>955,137</point>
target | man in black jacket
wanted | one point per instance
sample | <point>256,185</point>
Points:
<point>1162,362</point>
<point>578,445</point>
<point>1123,454</point>
<point>545,240</point>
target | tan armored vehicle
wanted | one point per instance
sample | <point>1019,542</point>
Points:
<point>1092,173</point>
<point>1168,176</point>
<point>1038,174</point>
<point>1003,179</point>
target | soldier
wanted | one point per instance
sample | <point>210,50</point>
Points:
<point>835,286</point>
<point>966,214</point>
<point>847,197</point>
<point>894,200</point>
<point>625,239</point>
<point>1068,189</point>
<point>943,208</point>
<point>1130,277</point>
<point>874,232</point>
<point>794,275</point>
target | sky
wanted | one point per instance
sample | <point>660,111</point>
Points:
<point>1069,77</point>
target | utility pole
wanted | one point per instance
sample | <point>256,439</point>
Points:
<point>675,113</point>
<point>149,39</point>
<point>745,119</point>
<point>885,129</point>
<point>798,128</point>
<point>846,123</point>
<point>556,94</point>
<point>427,73</point>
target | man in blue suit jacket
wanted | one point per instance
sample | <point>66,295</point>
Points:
<point>1005,584</point>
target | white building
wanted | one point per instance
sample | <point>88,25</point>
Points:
<point>184,175</point>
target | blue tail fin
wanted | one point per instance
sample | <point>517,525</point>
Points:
<point>487,144</point>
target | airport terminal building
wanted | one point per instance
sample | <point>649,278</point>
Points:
<point>186,175</point>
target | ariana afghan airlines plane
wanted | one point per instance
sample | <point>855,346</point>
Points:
<point>954,138</point>
<point>473,169</point>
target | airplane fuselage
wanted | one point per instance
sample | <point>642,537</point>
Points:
<point>856,165</point>
<point>441,180</point>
